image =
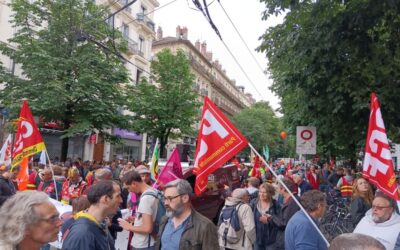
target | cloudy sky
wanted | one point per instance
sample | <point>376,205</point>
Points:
<point>246,15</point>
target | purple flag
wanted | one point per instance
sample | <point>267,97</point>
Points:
<point>171,171</point>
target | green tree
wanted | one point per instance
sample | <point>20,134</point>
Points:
<point>261,126</point>
<point>69,75</point>
<point>326,58</point>
<point>168,107</point>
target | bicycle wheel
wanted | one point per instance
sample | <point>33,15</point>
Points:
<point>331,230</point>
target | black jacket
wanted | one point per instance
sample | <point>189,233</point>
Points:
<point>358,208</point>
<point>287,211</point>
<point>266,233</point>
<point>7,189</point>
<point>199,233</point>
<point>85,234</point>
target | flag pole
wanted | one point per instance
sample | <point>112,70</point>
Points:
<point>52,172</point>
<point>291,194</point>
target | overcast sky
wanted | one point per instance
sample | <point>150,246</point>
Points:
<point>246,15</point>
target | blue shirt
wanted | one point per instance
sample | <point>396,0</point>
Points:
<point>171,236</point>
<point>300,234</point>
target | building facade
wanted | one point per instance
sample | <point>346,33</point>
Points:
<point>138,29</point>
<point>210,78</point>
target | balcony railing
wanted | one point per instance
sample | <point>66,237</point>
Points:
<point>132,46</point>
<point>147,21</point>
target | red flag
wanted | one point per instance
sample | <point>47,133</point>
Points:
<point>28,140</point>
<point>172,170</point>
<point>378,165</point>
<point>236,162</point>
<point>255,171</point>
<point>217,142</point>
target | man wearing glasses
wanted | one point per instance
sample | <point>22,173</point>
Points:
<point>183,227</point>
<point>381,222</point>
<point>28,221</point>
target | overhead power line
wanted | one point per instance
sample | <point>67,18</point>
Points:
<point>241,38</point>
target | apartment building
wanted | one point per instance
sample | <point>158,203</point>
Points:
<point>135,23</point>
<point>210,78</point>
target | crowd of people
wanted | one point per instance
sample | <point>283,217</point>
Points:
<point>262,214</point>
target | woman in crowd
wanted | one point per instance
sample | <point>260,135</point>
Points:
<point>264,208</point>
<point>361,200</point>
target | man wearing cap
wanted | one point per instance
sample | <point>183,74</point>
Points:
<point>7,188</point>
<point>144,174</point>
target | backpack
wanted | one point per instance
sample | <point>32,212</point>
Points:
<point>160,209</point>
<point>229,225</point>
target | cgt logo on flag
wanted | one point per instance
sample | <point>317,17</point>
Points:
<point>218,141</point>
<point>378,164</point>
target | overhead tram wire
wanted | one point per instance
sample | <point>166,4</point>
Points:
<point>241,38</point>
<point>208,17</point>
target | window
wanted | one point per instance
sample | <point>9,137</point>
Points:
<point>138,75</point>
<point>125,30</point>
<point>110,21</point>
<point>142,9</point>
<point>141,44</point>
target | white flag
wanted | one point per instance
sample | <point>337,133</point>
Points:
<point>42,159</point>
<point>5,152</point>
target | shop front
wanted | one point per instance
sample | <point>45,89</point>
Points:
<point>131,147</point>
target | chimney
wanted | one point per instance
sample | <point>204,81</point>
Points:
<point>204,48</point>
<point>159,33</point>
<point>184,33</point>
<point>197,45</point>
<point>178,31</point>
<point>209,56</point>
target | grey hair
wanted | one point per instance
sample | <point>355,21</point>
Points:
<point>239,193</point>
<point>101,174</point>
<point>354,241</point>
<point>18,213</point>
<point>182,186</point>
<point>311,199</point>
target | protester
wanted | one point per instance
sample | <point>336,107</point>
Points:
<point>323,177</point>
<point>127,167</point>
<point>253,184</point>
<point>78,204</point>
<point>381,221</point>
<point>246,231</point>
<point>300,232</point>
<point>73,187</point>
<point>89,231</point>
<point>264,208</point>
<point>7,187</point>
<point>335,176</point>
<point>361,201</point>
<point>303,185</point>
<point>345,184</point>
<point>313,178</point>
<point>288,209</point>
<point>28,221</point>
<point>183,227</point>
<point>144,174</point>
<point>146,211</point>
<point>49,186</point>
<point>116,170</point>
<point>353,241</point>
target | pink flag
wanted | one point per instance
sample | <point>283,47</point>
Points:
<point>171,171</point>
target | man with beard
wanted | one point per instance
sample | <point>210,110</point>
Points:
<point>183,227</point>
<point>89,231</point>
<point>381,221</point>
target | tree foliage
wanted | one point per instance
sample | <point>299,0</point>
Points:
<point>169,107</point>
<point>68,75</point>
<point>261,127</point>
<point>326,58</point>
